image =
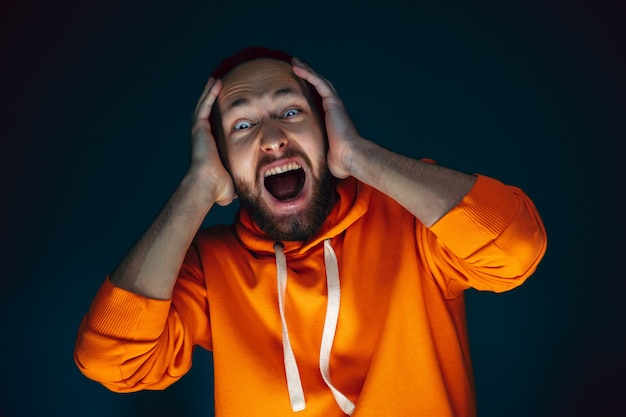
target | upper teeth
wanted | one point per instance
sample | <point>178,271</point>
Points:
<point>292,166</point>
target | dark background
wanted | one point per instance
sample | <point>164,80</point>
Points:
<point>96,104</point>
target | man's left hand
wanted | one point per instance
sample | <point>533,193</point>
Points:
<point>342,135</point>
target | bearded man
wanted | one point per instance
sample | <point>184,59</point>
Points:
<point>339,287</point>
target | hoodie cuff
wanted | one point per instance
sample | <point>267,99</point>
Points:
<point>122,314</point>
<point>482,215</point>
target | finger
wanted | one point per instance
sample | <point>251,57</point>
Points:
<point>207,99</point>
<point>207,87</point>
<point>307,67</point>
<point>321,84</point>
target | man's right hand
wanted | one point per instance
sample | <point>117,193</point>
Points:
<point>205,158</point>
<point>151,267</point>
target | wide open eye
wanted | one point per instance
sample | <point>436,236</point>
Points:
<point>290,113</point>
<point>242,124</point>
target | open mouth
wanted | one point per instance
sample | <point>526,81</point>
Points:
<point>285,182</point>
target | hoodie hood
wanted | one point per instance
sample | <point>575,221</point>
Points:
<point>350,206</point>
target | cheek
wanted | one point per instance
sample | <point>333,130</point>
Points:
<point>240,162</point>
<point>312,139</point>
<point>315,146</point>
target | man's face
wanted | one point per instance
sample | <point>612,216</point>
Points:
<point>275,149</point>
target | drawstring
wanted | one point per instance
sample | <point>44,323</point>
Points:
<point>330,324</point>
<point>294,383</point>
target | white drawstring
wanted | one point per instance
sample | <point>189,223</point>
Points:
<point>330,325</point>
<point>294,383</point>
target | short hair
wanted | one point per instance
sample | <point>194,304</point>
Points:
<point>251,53</point>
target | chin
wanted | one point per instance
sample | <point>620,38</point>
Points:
<point>292,223</point>
<point>296,220</point>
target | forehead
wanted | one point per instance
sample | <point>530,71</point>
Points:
<point>258,78</point>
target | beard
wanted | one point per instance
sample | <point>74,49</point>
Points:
<point>299,226</point>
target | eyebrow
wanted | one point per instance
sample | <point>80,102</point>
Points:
<point>281,92</point>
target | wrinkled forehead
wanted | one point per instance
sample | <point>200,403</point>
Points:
<point>254,79</point>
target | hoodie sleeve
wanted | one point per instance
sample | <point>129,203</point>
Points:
<point>492,240</point>
<point>128,342</point>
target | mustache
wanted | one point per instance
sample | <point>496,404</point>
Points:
<point>289,153</point>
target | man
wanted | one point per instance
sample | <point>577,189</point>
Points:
<point>339,288</point>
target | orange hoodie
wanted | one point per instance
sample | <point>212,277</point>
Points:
<point>367,317</point>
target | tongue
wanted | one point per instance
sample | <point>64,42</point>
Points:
<point>285,186</point>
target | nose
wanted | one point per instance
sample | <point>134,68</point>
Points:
<point>273,137</point>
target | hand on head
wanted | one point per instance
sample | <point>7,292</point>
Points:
<point>205,158</point>
<point>342,134</point>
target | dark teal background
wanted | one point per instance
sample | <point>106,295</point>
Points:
<point>96,104</point>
